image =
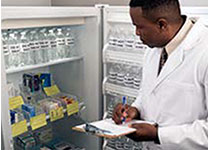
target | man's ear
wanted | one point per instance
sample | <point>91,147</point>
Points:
<point>162,23</point>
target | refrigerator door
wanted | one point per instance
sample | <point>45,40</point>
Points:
<point>78,75</point>
<point>123,54</point>
<point>122,66</point>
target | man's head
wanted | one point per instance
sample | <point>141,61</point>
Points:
<point>156,21</point>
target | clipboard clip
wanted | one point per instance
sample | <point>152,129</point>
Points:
<point>95,130</point>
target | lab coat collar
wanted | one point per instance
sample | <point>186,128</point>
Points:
<point>177,56</point>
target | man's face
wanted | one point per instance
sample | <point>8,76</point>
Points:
<point>149,32</point>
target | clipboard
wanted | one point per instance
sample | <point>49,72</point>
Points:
<point>109,128</point>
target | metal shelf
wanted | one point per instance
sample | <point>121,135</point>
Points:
<point>19,69</point>
<point>64,111</point>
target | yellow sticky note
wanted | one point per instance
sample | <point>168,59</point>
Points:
<point>19,128</point>
<point>56,114</point>
<point>72,108</point>
<point>38,121</point>
<point>15,102</point>
<point>53,90</point>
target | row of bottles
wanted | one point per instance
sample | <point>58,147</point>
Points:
<point>121,38</point>
<point>123,143</point>
<point>24,47</point>
<point>129,76</point>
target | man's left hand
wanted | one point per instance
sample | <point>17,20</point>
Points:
<point>144,132</point>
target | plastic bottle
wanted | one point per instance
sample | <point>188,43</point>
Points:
<point>52,52</point>
<point>44,44</point>
<point>35,46</point>
<point>14,48</point>
<point>26,56</point>
<point>6,50</point>
<point>60,39</point>
<point>70,43</point>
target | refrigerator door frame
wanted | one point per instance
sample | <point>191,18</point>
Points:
<point>18,13</point>
<point>10,12</point>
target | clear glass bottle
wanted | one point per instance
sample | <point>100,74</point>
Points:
<point>129,77</point>
<point>139,46</point>
<point>121,74</point>
<point>113,71</point>
<point>137,71</point>
<point>129,40</point>
<point>112,40</point>
<point>120,45</point>
<point>111,106</point>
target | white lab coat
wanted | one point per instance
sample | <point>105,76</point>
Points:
<point>177,99</point>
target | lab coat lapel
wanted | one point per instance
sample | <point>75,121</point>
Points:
<point>173,62</point>
<point>177,57</point>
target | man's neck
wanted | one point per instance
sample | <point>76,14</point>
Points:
<point>177,27</point>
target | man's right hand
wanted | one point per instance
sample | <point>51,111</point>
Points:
<point>126,111</point>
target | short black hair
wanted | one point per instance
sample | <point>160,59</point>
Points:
<point>151,4</point>
<point>151,7</point>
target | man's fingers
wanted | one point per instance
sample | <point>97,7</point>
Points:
<point>134,125</point>
<point>116,119</point>
<point>117,114</point>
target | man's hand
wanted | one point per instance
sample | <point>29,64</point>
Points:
<point>126,111</point>
<point>144,132</point>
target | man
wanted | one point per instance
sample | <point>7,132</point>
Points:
<point>174,90</point>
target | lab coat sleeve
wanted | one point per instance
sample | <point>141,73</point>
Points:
<point>137,102</point>
<point>188,136</point>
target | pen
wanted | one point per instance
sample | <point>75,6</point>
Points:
<point>123,104</point>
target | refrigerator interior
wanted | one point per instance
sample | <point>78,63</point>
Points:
<point>78,75</point>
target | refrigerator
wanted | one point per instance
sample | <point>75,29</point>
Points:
<point>104,68</point>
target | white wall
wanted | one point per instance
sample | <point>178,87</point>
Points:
<point>25,2</point>
<point>194,2</point>
<point>86,2</point>
<point>118,2</point>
